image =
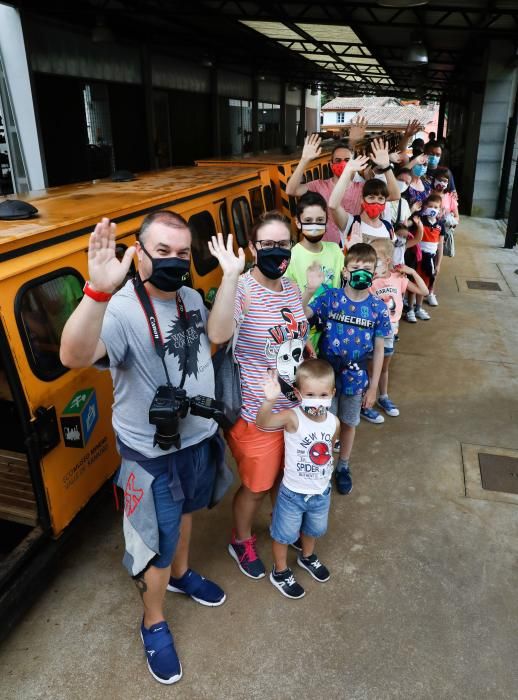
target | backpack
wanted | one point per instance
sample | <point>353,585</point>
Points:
<point>387,224</point>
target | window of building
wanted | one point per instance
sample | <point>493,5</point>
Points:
<point>316,173</point>
<point>340,117</point>
<point>269,125</point>
<point>42,309</point>
<point>309,175</point>
<point>238,119</point>
<point>242,218</point>
<point>203,228</point>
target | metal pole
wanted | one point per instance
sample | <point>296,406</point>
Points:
<point>255,115</point>
<point>507,161</point>
<point>302,122</point>
<point>216,116</point>
<point>511,235</point>
<point>440,122</point>
<point>282,123</point>
<point>145,64</point>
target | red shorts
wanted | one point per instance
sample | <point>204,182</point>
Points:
<point>259,454</point>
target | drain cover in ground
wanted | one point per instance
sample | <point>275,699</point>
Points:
<point>499,473</point>
<point>480,284</point>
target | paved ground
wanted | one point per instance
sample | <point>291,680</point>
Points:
<point>423,601</point>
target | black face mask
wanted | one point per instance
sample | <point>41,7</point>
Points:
<point>274,262</point>
<point>168,274</point>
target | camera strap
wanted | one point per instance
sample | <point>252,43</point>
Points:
<point>154,326</point>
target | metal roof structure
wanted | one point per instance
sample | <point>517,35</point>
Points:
<point>355,47</point>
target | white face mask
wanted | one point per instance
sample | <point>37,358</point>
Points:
<point>313,230</point>
<point>315,406</point>
<point>403,186</point>
<point>430,212</point>
<point>358,178</point>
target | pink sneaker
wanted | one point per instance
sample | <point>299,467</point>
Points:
<point>245,555</point>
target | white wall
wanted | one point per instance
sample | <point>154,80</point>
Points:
<point>12,48</point>
<point>330,118</point>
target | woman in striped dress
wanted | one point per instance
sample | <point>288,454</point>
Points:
<point>265,308</point>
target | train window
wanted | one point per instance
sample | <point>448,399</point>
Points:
<point>256,199</point>
<point>223,219</point>
<point>269,199</point>
<point>326,171</point>
<point>42,309</point>
<point>316,173</point>
<point>242,218</point>
<point>309,175</point>
<point>203,228</point>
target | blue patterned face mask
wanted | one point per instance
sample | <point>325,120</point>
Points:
<point>419,170</point>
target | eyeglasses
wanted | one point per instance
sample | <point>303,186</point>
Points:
<point>286,244</point>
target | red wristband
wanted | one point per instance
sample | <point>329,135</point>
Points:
<point>95,295</point>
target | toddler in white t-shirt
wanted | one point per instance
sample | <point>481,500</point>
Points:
<point>302,506</point>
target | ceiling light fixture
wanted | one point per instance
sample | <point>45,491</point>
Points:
<point>416,52</point>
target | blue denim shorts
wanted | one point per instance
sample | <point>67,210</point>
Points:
<point>296,513</point>
<point>197,484</point>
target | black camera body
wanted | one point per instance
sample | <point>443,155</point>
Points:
<point>170,404</point>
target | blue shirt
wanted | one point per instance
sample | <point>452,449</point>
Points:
<point>349,328</point>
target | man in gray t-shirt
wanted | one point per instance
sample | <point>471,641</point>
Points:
<point>162,487</point>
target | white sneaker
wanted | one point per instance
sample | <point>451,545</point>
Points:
<point>421,314</point>
<point>431,299</point>
<point>410,316</point>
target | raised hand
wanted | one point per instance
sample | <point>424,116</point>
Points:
<point>396,157</point>
<point>105,271</point>
<point>380,153</point>
<point>231,264</point>
<point>355,234</point>
<point>311,147</point>
<point>357,164</point>
<point>271,386</point>
<point>314,276</point>
<point>412,128</point>
<point>357,130</point>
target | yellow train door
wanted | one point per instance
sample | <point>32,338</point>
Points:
<point>69,411</point>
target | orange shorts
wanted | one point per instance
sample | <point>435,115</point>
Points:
<point>259,455</point>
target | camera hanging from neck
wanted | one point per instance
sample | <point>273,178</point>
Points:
<point>154,328</point>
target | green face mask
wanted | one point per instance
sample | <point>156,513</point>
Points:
<point>360,279</point>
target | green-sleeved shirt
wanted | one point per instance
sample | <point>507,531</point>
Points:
<point>331,258</point>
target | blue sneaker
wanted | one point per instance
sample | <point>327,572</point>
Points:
<point>387,405</point>
<point>344,480</point>
<point>198,588</point>
<point>162,660</point>
<point>371,415</point>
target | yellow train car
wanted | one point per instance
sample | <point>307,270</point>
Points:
<point>280,168</point>
<point>57,446</point>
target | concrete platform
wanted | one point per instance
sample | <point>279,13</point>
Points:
<point>422,603</point>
